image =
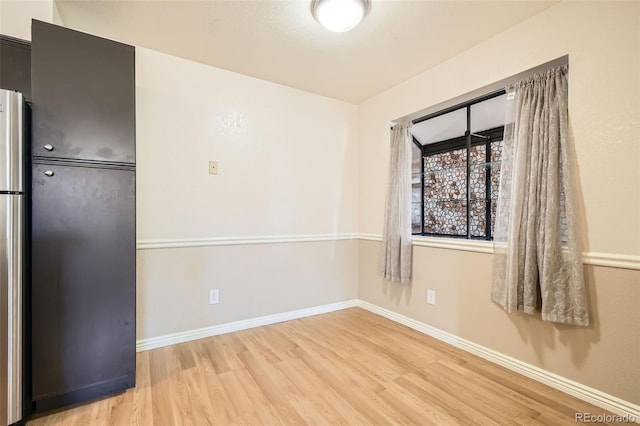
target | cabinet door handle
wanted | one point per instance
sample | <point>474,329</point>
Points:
<point>48,173</point>
<point>48,147</point>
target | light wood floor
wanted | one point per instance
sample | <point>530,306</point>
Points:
<point>347,367</point>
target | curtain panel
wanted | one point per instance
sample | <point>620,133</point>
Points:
<point>395,254</point>
<point>537,261</point>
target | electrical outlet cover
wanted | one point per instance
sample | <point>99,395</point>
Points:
<point>214,296</point>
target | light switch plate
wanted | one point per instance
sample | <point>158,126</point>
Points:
<point>213,167</point>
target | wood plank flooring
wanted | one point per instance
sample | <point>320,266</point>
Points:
<point>349,367</point>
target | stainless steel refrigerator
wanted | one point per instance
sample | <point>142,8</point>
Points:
<point>12,226</point>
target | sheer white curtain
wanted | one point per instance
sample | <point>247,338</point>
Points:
<point>537,260</point>
<point>395,254</point>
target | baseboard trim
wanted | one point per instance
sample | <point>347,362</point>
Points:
<point>578,390</point>
<point>200,333</point>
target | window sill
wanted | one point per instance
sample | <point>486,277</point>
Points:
<point>454,244</point>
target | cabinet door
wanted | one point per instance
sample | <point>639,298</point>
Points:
<point>83,282</point>
<point>83,95</point>
<point>15,66</point>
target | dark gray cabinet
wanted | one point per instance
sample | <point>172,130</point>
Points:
<point>15,65</point>
<point>83,316</point>
<point>83,90</point>
<point>82,217</point>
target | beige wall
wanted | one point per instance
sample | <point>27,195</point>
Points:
<point>605,355</point>
<point>16,15</point>
<point>254,280</point>
<point>56,18</point>
<point>287,158</point>
<point>602,40</point>
<point>287,166</point>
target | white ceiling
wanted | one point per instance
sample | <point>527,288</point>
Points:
<point>279,41</point>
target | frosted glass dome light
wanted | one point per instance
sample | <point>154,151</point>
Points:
<point>339,15</point>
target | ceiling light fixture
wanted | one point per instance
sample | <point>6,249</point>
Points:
<point>339,15</point>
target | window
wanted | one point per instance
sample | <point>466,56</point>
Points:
<point>456,169</point>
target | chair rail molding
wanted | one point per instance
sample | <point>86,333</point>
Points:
<point>611,260</point>
<point>147,244</point>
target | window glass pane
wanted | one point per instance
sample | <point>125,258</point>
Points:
<point>445,193</point>
<point>496,158</point>
<point>446,217</point>
<point>416,218</point>
<point>416,189</point>
<point>478,219</point>
<point>478,173</point>
<point>478,190</point>
<point>416,159</point>
<point>445,175</point>
<point>488,114</point>
<point>442,127</point>
<point>478,154</point>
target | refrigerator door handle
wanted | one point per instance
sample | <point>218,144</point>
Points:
<point>5,248</point>
<point>15,314</point>
<point>11,207</point>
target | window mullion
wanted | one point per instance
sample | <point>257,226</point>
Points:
<point>422,192</point>
<point>487,193</point>
<point>468,136</point>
